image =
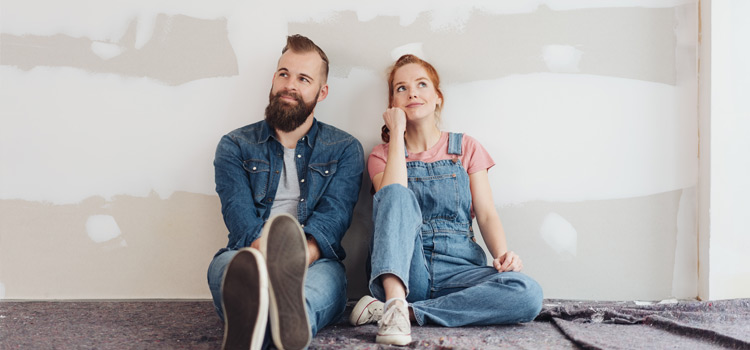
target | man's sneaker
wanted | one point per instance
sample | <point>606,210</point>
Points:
<point>244,298</point>
<point>395,328</point>
<point>367,310</point>
<point>285,247</point>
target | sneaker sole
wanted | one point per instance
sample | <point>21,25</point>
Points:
<point>285,249</point>
<point>245,301</point>
<point>400,340</point>
<point>355,318</point>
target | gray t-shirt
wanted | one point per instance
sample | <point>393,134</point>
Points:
<point>287,194</point>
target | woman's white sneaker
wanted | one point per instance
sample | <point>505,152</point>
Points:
<point>367,310</point>
<point>395,328</point>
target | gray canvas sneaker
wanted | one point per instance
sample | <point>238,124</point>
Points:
<point>395,328</point>
<point>244,298</point>
<point>285,247</point>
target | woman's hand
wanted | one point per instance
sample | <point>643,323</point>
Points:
<point>509,261</point>
<point>395,120</point>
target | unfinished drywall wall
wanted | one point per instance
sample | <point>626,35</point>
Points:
<point>111,114</point>
<point>730,166</point>
<point>180,49</point>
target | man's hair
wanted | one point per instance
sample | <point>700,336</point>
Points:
<point>301,44</point>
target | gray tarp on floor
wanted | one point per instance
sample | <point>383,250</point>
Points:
<point>562,324</point>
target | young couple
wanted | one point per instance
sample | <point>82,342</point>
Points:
<point>288,186</point>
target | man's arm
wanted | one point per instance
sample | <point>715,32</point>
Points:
<point>332,215</point>
<point>232,184</point>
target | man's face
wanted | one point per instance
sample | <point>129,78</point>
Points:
<point>298,85</point>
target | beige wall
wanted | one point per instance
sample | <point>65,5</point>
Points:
<point>111,113</point>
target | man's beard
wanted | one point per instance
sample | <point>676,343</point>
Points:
<point>286,117</point>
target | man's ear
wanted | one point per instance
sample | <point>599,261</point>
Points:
<point>323,93</point>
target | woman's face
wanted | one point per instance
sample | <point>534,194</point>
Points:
<point>414,92</point>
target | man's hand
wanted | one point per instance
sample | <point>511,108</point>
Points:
<point>256,244</point>
<point>313,252</point>
<point>508,262</point>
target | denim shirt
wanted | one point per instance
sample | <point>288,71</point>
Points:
<point>248,167</point>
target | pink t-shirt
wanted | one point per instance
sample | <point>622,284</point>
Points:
<point>473,158</point>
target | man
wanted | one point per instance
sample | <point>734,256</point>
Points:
<point>288,186</point>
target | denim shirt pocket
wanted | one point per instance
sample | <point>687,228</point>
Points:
<point>321,175</point>
<point>258,172</point>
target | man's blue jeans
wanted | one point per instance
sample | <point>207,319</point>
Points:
<point>444,271</point>
<point>325,289</point>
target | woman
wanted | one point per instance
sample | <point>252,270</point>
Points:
<point>429,187</point>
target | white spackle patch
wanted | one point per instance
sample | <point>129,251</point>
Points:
<point>554,159</point>
<point>562,58</point>
<point>412,48</point>
<point>102,228</point>
<point>144,29</point>
<point>105,50</point>
<point>559,234</point>
<point>669,301</point>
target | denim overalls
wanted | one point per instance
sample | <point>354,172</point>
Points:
<point>424,236</point>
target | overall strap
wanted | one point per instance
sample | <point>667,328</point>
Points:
<point>454,143</point>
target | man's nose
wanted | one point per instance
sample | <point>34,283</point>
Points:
<point>290,85</point>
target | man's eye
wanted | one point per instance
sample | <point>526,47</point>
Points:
<point>304,80</point>
<point>283,75</point>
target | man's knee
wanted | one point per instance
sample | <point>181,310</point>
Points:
<point>327,277</point>
<point>218,265</point>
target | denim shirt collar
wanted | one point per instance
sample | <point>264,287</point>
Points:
<point>267,133</point>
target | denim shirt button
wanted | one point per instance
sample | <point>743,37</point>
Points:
<point>302,200</point>
<point>326,171</point>
<point>299,156</point>
<point>303,180</point>
<point>255,168</point>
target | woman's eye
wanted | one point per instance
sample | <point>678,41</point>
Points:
<point>400,89</point>
<point>422,84</point>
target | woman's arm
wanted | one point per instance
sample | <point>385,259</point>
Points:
<point>490,225</point>
<point>395,166</point>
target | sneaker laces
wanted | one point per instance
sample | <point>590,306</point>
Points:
<point>391,319</point>
<point>374,313</point>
